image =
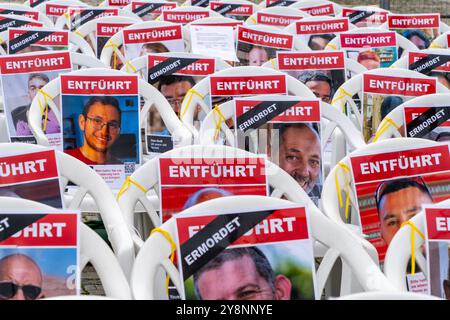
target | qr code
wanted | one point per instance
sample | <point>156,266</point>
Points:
<point>130,167</point>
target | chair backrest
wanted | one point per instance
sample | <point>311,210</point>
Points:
<point>92,249</point>
<point>441,42</point>
<point>375,20</point>
<point>3,129</point>
<point>443,27</point>
<point>404,61</point>
<point>89,182</point>
<point>398,255</point>
<point>318,7</point>
<point>148,276</point>
<point>151,96</point>
<point>55,8</point>
<point>394,122</point>
<point>202,90</point>
<point>276,16</point>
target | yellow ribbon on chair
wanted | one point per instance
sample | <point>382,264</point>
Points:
<point>221,118</point>
<point>128,66</point>
<point>44,108</point>
<point>127,184</point>
<point>385,124</point>
<point>173,248</point>
<point>332,46</point>
<point>78,33</point>
<point>191,92</point>
<point>434,45</point>
<point>413,243</point>
<point>342,94</point>
<point>115,48</point>
<point>346,170</point>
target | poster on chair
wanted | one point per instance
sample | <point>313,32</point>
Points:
<point>150,10</point>
<point>365,18</point>
<point>233,10</point>
<point>394,185</point>
<point>437,235</point>
<point>37,39</point>
<point>101,124</point>
<point>432,123</point>
<point>173,76</point>
<point>373,50</point>
<point>288,130</point>
<point>318,33</point>
<point>233,254</point>
<point>81,16</point>
<point>256,47</point>
<point>23,76</point>
<point>105,30</point>
<point>185,182</point>
<point>31,175</point>
<point>39,254</point>
<point>383,93</point>
<point>430,64</point>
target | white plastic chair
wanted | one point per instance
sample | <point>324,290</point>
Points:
<point>148,276</point>
<point>294,87</point>
<point>64,21</point>
<point>117,40</point>
<point>42,7</point>
<point>441,42</point>
<point>355,84</point>
<point>404,61</point>
<point>398,255</point>
<point>92,249</point>
<point>282,12</point>
<point>73,170</point>
<point>25,8</point>
<point>308,5</point>
<point>346,11</point>
<point>387,130</point>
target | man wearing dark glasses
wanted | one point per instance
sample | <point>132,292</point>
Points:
<point>398,201</point>
<point>20,278</point>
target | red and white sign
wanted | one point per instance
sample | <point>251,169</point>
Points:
<point>316,60</point>
<point>56,10</point>
<point>118,3</point>
<point>373,40</point>
<point>378,17</point>
<point>233,24</point>
<point>245,10</point>
<point>57,38</point>
<point>107,85</point>
<point>413,87</point>
<point>108,29</point>
<point>438,223</point>
<point>184,16</point>
<point>105,12</point>
<point>137,5</point>
<point>16,22</point>
<point>388,165</point>
<point>282,225</point>
<point>55,229</point>
<point>279,20</point>
<point>416,56</point>
<point>201,67</point>
<point>156,34</point>
<point>303,111</point>
<point>264,38</point>
<point>413,21</point>
<point>334,26</point>
<point>412,113</point>
<point>29,14</point>
<point>322,10</point>
<point>33,166</point>
<point>247,85</point>
<point>35,62</point>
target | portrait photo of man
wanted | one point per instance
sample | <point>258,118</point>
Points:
<point>20,278</point>
<point>247,273</point>
<point>100,123</point>
<point>319,83</point>
<point>398,201</point>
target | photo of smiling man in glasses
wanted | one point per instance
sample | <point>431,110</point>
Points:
<point>100,123</point>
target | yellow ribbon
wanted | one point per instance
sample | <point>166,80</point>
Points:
<point>272,61</point>
<point>346,170</point>
<point>44,109</point>
<point>332,46</point>
<point>127,184</point>
<point>434,45</point>
<point>115,47</point>
<point>129,66</point>
<point>191,92</point>
<point>342,94</point>
<point>218,120</point>
<point>387,122</point>
<point>252,19</point>
<point>413,244</point>
<point>173,248</point>
<point>78,33</point>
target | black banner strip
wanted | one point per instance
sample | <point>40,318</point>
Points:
<point>81,18</point>
<point>281,3</point>
<point>200,3</point>
<point>358,16</point>
<point>7,23</point>
<point>36,3</point>
<point>427,64</point>
<point>25,40</point>
<point>147,8</point>
<point>215,237</point>
<point>168,67</point>
<point>262,113</point>
<point>11,224</point>
<point>427,121</point>
<point>226,8</point>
